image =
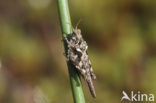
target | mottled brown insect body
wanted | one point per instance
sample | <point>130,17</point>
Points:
<point>77,54</point>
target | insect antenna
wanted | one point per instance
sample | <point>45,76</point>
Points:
<point>78,23</point>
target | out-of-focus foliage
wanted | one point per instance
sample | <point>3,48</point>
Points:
<point>122,47</point>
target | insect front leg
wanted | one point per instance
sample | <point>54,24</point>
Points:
<point>70,45</point>
<point>65,38</point>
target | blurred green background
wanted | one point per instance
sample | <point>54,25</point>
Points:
<point>121,35</point>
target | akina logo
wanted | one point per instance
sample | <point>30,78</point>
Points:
<point>137,97</point>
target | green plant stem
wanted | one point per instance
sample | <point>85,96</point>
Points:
<point>66,28</point>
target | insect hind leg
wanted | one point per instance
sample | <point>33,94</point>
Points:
<point>92,74</point>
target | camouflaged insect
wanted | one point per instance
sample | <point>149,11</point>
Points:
<point>77,54</point>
